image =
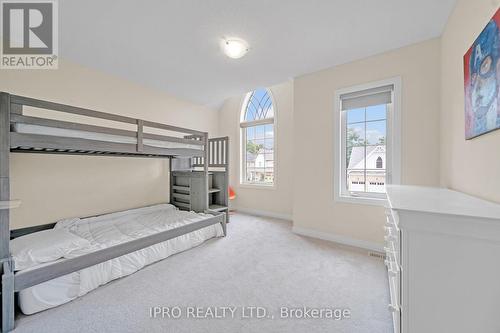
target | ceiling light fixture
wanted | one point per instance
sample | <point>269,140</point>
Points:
<point>235,48</point>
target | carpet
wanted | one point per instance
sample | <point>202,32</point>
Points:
<point>260,278</point>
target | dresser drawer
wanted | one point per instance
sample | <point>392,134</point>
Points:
<point>394,278</point>
<point>392,238</point>
<point>392,218</point>
<point>394,306</point>
<point>394,273</point>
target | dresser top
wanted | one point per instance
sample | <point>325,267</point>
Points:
<point>440,201</point>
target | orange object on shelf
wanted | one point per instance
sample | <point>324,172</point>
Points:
<point>232,194</point>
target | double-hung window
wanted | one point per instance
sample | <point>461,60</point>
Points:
<point>258,139</point>
<point>367,141</point>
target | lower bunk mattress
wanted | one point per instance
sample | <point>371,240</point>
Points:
<point>108,230</point>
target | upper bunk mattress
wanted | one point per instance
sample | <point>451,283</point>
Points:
<point>108,230</point>
<point>69,133</point>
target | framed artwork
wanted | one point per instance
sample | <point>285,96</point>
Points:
<point>482,81</point>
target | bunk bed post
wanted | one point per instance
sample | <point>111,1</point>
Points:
<point>140,135</point>
<point>205,167</point>
<point>171,181</point>
<point>8,296</point>
<point>226,162</point>
<point>4,173</point>
<point>6,264</point>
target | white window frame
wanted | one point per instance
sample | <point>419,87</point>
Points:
<point>243,125</point>
<point>393,145</point>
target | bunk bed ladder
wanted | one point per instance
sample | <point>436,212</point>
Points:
<point>185,191</point>
<point>218,177</point>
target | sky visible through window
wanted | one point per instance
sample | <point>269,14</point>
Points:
<point>260,106</point>
<point>375,123</point>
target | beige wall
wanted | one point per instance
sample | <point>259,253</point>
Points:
<point>434,150</point>
<point>313,205</point>
<point>276,201</point>
<point>470,166</point>
<point>52,187</point>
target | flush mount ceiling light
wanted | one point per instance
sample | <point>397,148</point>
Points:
<point>235,48</point>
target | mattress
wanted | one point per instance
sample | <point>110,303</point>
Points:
<point>69,133</point>
<point>108,230</point>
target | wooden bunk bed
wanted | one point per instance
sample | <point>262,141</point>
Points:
<point>27,134</point>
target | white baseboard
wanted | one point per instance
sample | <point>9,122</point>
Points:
<point>264,213</point>
<point>338,239</point>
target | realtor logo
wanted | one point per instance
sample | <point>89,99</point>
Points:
<point>29,34</point>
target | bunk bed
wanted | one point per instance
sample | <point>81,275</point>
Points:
<point>20,133</point>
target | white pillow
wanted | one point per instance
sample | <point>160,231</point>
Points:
<point>44,246</point>
<point>67,223</point>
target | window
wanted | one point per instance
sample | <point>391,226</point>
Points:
<point>367,141</point>
<point>257,139</point>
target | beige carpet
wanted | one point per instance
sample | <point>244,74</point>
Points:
<point>261,263</point>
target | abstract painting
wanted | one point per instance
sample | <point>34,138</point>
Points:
<point>482,81</point>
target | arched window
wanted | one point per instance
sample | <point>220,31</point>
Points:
<point>257,137</point>
<point>379,163</point>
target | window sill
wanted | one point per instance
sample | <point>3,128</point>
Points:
<point>258,186</point>
<point>361,200</point>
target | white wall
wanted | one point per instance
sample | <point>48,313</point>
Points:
<point>52,187</point>
<point>313,137</point>
<point>277,201</point>
<point>470,166</point>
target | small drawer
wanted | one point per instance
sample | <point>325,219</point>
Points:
<point>394,293</point>
<point>388,211</point>
<point>391,236</point>
<point>388,230</point>
<point>394,285</point>
<point>392,216</point>
<point>393,268</point>
<point>396,317</point>
<point>392,252</point>
<point>391,233</point>
<point>395,218</point>
<point>390,222</point>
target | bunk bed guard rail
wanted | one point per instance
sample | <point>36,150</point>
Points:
<point>43,143</point>
<point>218,153</point>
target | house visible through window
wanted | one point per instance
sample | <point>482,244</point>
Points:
<point>257,133</point>
<point>365,146</point>
<point>365,118</point>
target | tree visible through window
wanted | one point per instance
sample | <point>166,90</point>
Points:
<point>257,130</point>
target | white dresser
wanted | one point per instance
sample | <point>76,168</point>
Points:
<point>443,261</point>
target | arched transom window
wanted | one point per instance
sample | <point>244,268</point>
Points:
<point>257,137</point>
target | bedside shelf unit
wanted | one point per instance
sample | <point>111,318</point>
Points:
<point>218,194</point>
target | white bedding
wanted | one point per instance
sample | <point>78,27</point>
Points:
<point>47,130</point>
<point>112,229</point>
